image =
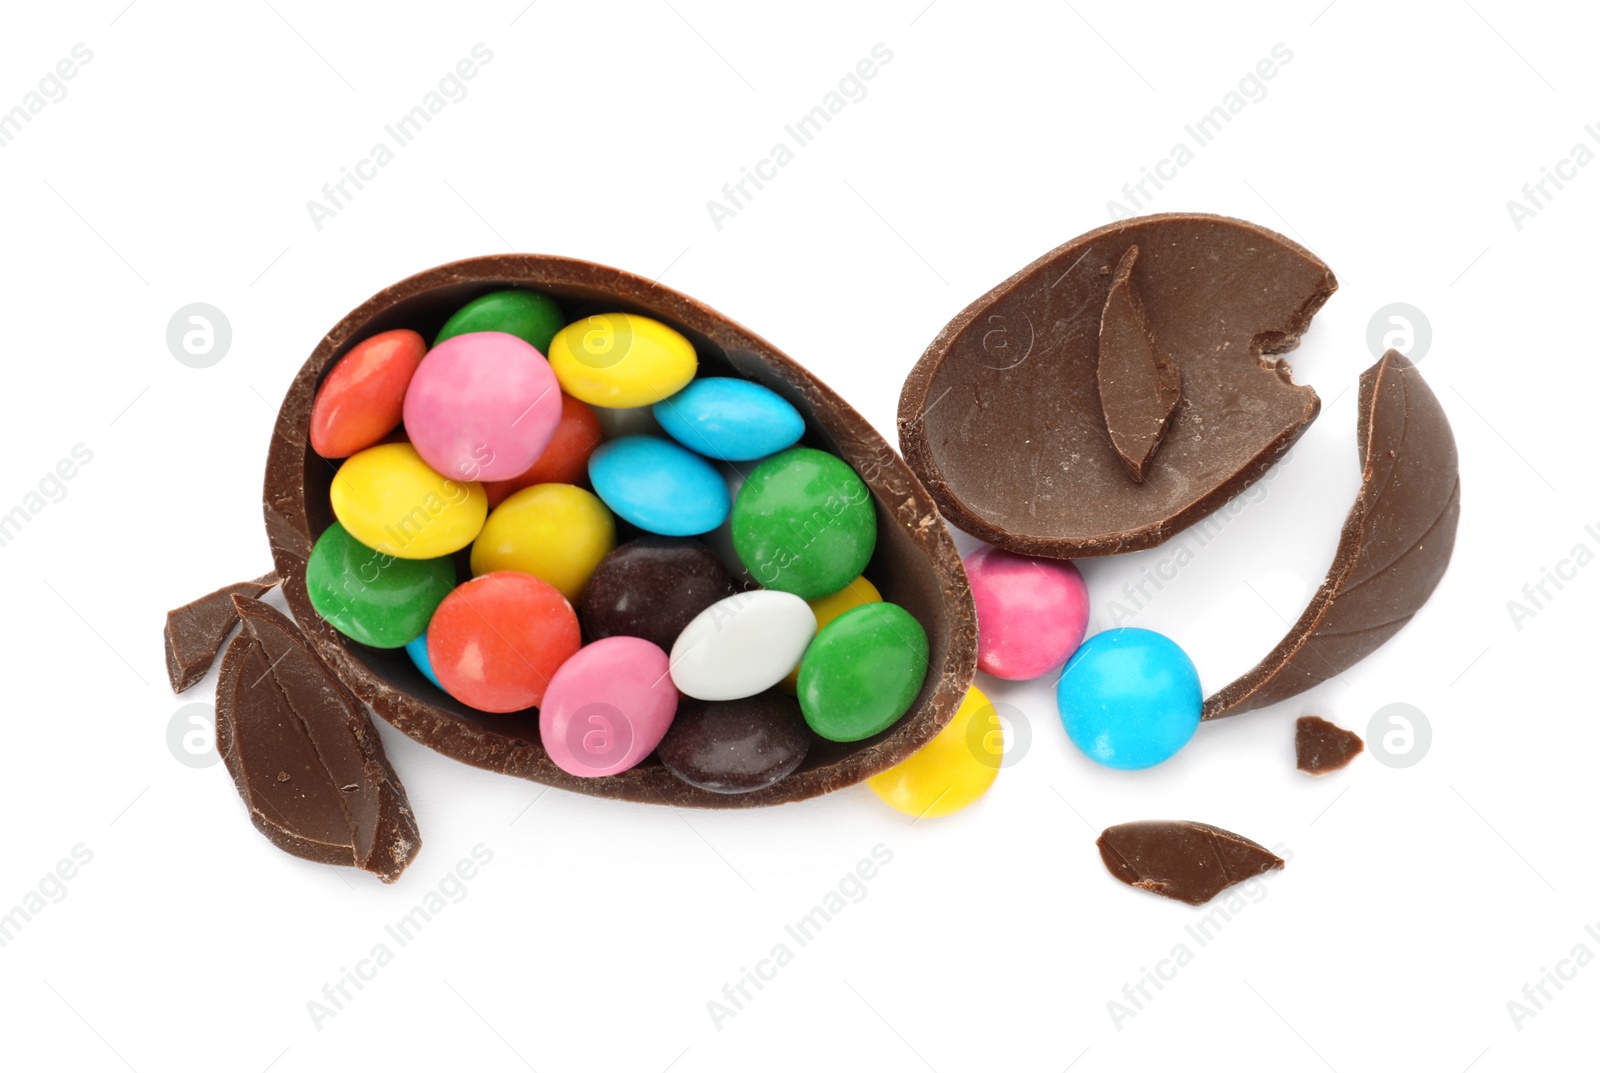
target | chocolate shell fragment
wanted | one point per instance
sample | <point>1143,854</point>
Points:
<point>1004,418</point>
<point>195,631</point>
<point>1321,746</point>
<point>1139,386</point>
<point>1392,552</point>
<point>304,754</point>
<point>1178,859</point>
<point>916,563</point>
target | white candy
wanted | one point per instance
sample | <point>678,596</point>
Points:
<point>742,645</point>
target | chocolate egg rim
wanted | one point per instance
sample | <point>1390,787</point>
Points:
<point>915,548</point>
<point>1003,532</point>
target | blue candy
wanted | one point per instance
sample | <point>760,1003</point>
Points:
<point>659,486</point>
<point>734,420</point>
<point>418,651</point>
<point>1129,698</point>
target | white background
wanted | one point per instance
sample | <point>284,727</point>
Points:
<point>1418,902</point>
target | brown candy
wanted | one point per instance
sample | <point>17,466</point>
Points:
<point>652,588</point>
<point>1321,746</point>
<point>1179,859</point>
<point>195,631</point>
<point>736,746</point>
<point>1396,543</point>
<point>915,565</point>
<point>1005,416</point>
<point>303,754</point>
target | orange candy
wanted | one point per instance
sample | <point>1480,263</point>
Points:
<point>360,401</point>
<point>565,460</point>
<point>495,641</point>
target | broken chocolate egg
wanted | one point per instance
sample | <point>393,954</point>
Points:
<point>915,564</point>
<point>1118,389</point>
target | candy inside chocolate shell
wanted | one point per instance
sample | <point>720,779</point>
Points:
<point>915,565</point>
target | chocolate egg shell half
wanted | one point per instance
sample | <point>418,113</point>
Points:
<point>915,565</point>
<point>1004,419</point>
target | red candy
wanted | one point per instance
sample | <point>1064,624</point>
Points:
<point>495,641</point>
<point>361,400</point>
<point>565,460</point>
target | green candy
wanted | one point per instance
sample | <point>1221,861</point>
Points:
<point>530,316</point>
<point>804,523</point>
<point>372,597</point>
<point>863,671</point>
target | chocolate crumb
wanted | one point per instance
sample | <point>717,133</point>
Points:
<point>1321,746</point>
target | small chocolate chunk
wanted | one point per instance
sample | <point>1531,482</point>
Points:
<point>195,631</point>
<point>304,753</point>
<point>735,746</point>
<point>1005,415</point>
<point>1394,548</point>
<point>1139,385</point>
<point>1321,746</point>
<point>1179,859</point>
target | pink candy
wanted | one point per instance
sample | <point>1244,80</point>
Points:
<point>608,707</point>
<point>1032,613</point>
<point>482,407</point>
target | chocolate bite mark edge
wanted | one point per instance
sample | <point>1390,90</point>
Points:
<point>1233,291</point>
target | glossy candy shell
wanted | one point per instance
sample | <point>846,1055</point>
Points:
<point>916,563</point>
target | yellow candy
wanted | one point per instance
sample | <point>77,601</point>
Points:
<point>389,499</point>
<point>556,532</point>
<point>620,360</point>
<point>827,608</point>
<point>953,770</point>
